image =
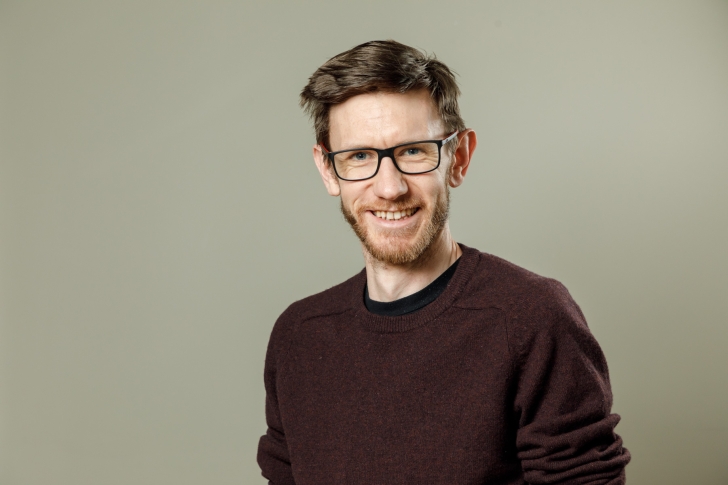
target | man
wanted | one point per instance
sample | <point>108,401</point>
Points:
<point>437,364</point>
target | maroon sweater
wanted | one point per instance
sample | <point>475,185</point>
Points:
<point>498,381</point>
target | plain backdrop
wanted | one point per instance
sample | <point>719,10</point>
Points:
<point>159,209</point>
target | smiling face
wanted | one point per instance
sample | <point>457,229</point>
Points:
<point>397,217</point>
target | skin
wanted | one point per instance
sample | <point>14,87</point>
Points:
<point>381,120</point>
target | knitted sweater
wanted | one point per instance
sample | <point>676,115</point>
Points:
<point>498,381</point>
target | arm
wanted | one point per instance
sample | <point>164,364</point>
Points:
<point>563,397</point>
<point>273,458</point>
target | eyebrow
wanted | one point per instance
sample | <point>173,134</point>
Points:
<point>362,146</point>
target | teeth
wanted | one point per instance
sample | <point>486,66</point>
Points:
<point>394,215</point>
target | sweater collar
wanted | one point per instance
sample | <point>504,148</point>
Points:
<point>384,324</point>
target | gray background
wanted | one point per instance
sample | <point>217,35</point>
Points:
<point>159,208</point>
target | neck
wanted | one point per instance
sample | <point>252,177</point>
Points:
<point>387,282</point>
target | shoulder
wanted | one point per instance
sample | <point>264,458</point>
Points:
<point>536,308</point>
<point>335,300</point>
<point>500,283</point>
<point>542,319</point>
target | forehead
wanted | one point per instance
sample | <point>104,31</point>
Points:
<point>384,119</point>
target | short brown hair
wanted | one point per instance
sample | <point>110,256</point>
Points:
<point>380,65</point>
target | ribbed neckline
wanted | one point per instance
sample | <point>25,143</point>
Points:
<point>414,302</point>
<point>384,324</point>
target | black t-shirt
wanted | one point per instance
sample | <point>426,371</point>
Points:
<point>413,302</point>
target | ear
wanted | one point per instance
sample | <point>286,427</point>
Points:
<point>467,142</point>
<point>331,181</point>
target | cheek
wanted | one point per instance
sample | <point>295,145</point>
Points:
<point>351,198</point>
<point>432,189</point>
<point>356,192</point>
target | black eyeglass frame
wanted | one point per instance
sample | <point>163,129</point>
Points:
<point>389,152</point>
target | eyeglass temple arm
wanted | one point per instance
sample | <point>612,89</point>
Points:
<point>447,140</point>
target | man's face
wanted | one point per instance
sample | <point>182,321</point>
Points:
<point>396,216</point>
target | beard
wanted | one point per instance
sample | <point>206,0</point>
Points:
<point>397,247</point>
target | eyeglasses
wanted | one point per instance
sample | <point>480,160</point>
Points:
<point>409,158</point>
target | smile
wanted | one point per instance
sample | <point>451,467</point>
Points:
<point>396,215</point>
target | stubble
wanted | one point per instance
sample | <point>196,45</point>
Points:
<point>396,249</point>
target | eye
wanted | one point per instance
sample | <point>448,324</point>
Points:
<point>359,156</point>
<point>412,151</point>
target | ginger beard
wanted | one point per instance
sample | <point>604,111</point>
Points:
<point>401,246</point>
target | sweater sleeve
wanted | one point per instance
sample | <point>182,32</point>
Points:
<point>273,457</point>
<point>563,397</point>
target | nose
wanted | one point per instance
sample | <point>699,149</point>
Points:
<point>389,183</point>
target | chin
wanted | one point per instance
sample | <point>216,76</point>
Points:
<point>396,251</point>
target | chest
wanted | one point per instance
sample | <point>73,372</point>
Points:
<point>432,402</point>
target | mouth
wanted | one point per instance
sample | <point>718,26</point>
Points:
<point>395,215</point>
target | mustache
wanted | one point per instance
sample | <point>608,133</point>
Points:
<point>392,206</point>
